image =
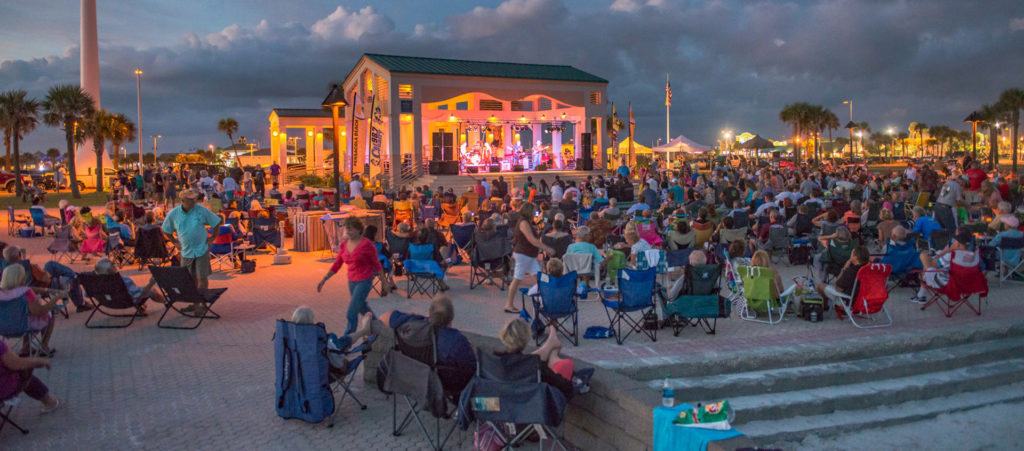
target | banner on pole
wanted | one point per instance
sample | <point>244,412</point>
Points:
<point>376,134</point>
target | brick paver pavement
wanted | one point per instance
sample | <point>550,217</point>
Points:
<point>145,387</point>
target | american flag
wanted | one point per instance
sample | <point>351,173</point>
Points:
<point>668,92</point>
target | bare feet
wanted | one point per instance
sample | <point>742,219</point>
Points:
<point>363,327</point>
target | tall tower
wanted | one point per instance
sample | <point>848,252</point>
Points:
<point>85,158</point>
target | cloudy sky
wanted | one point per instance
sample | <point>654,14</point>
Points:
<point>734,63</point>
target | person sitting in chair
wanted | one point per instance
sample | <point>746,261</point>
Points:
<point>453,348</point>
<point>304,315</point>
<point>16,376</point>
<point>843,285</point>
<point>13,286</point>
<point>139,295</point>
<point>556,371</point>
<point>936,269</point>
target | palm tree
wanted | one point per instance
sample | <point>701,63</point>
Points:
<point>796,114</point>
<point>21,115</point>
<point>6,126</point>
<point>66,106</point>
<point>52,154</point>
<point>919,128</point>
<point>1012,101</point>
<point>229,126</point>
<point>879,139</point>
<point>903,136</point>
<point>99,127</point>
<point>939,133</point>
<point>992,115</point>
<point>121,130</point>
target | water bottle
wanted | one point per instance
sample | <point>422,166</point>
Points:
<point>668,395</point>
<point>581,291</point>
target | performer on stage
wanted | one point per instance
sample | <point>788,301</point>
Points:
<point>537,154</point>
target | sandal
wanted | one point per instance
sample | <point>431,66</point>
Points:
<point>513,311</point>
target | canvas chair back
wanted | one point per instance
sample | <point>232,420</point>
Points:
<point>581,264</point>
<point>516,368</point>
<point>757,286</point>
<point>965,275</point>
<point>870,292</point>
<point>704,279</point>
<point>14,315</point>
<point>397,244</point>
<point>637,288</point>
<point>421,251</point>
<point>557,293</point>
<point>462,234</point>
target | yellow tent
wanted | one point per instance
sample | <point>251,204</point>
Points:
<point>637,147</point>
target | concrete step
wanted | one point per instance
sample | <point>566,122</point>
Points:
<point>782,432</point>
<point>852,371</point>
<point>813,353</point>
<point>875,394</point>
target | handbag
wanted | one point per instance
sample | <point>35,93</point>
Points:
<point>248,266</point>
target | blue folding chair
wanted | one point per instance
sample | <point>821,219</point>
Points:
<point>14,324</point>
<point>14,222</point>
<point>40,220</point>
<point>429,211</point>
<point>265,231</point>
<point>462,238</point>
<point>634,296</point>
<point>556,301</point>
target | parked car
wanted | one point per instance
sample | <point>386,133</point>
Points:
<point>7,180</point>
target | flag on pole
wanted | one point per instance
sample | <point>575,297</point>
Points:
<point>632,128</point>
<point>668,92</point>
<point>357,105</point>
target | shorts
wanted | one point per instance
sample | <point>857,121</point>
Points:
<point>525,266</point>
<point>564,368</point>
<point>199,266</point>
<point>932,279</point>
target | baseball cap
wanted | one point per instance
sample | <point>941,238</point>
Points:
<point>963,236</point>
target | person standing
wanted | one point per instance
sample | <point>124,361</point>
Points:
<point>275,172</point>
<point>361,256</point>
<point>527,246</point>
<point>185,225</point>
<point>945,204</point>
<point>355,187</point>
<point>259,179</point>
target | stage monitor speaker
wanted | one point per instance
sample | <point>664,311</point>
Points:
<point>473,169</point>
<point>449,167</point>
<point>517,168</point>
<point>495,168</point>
<point>434,167</point>
<point>588,150</point>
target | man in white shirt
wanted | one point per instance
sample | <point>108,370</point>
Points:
<point>910,173</point>
<point>575,193</point>
<point>556,192</point>
<point>769,202</point>
<point>355,188</point>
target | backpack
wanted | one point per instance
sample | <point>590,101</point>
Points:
<point>301,366</point>
<point>800,255</point>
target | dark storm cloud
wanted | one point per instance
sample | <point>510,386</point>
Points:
<point>734,64</point>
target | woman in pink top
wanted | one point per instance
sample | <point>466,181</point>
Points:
<point>361,256</point>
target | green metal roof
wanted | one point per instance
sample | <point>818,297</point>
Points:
<point>438,66</point>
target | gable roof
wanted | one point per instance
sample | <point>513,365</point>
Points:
<point>305,112</point>
<point>493,69</point>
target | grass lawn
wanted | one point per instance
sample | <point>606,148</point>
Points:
<point>90,198</point>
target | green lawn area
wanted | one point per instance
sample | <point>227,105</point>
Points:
<point>91,198</point>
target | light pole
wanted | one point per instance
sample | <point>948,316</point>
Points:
<point>155,137</point>
<point>892,141</point>
<point>138,105</point>
<point>336,99</point>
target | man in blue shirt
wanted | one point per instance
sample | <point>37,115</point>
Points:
<point>623,170</point>
<point>925,224</point>
<point>453,348</point>
<point>186,226</point>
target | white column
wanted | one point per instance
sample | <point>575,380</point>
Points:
<point>577,150</point>
<point>318,149</point>
<point>556,150</point>
<point>280,152</point>
<point>89,67</point>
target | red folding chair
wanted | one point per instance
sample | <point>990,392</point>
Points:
<point>868,299</point>
<point>965,280</point>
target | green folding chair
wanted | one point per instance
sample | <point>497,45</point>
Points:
<point>757,290</point>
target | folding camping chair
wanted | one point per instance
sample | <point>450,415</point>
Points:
<point>429,211</point>
<point>490,259</point>
<point>635,294</point>
<point>116,251</point>
<point>582,264</point>
<point>44,223</point>
<point>302,368</point>
<point>413,372</point>
<point>342,372</point>
<point>868,298</point>
<point>222,250</point>
<point>265,232</point>
<point>757,291</point>
<point>151,247</point>
<point>108,291</point>
<point>399,248</point>
<point>556,302</point>
<point>778,242</point>
<point>648,231</point>
<point>418,265</point>
<point>14,222</point>
<point>559,244</point>
<point>462,240</point>
<point>965,280</point>
<point>833,258</point>
<point>508,390</point>
<point>699,301</point>
<point>449,215</point>
<point>14,316</point>
<point>904,262</point>
<point>179,287</point>
<point>61,246</point>
<point>1006,267</point>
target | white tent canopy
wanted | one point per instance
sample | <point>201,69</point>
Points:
<point>682,144</point>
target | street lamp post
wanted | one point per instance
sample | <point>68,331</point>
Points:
<point>138,105</point>
<point>892,142</point>
<point>974,118</point>
<point>335,99</point>
<point>155,137</point>
<point>850,126</point>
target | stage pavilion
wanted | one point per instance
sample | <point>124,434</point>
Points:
<point>442,116</point>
